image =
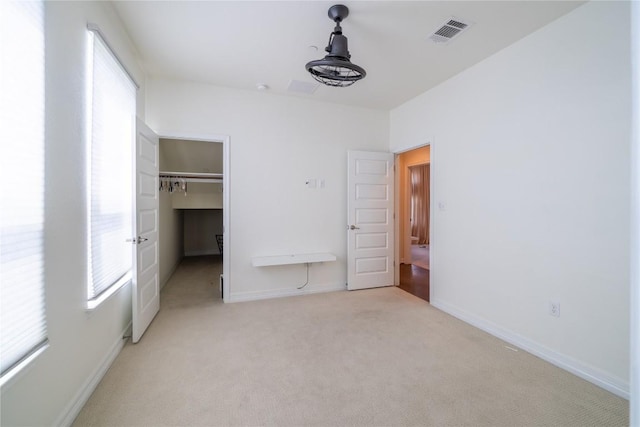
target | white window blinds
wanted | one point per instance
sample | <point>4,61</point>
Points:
<point>110,171</point>
<point>23,332</point>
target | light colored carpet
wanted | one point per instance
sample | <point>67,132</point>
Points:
<point>420,256</point>
<point>377,357</point>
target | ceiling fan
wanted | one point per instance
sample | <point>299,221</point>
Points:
<point>336,69</point>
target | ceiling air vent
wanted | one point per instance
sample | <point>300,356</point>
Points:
<point>450,29</point>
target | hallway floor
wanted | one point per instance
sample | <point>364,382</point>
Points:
<point>414,280</point>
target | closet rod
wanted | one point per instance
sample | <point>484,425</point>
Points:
<point>200,180</point>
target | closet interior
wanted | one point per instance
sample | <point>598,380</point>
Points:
<point>190,205</point>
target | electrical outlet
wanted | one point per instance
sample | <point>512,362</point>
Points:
<point>554,308</point>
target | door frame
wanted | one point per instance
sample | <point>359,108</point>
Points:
<point>226,173</point>
<point>399,238</point>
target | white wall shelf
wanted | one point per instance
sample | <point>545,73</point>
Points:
<point>265,261</point>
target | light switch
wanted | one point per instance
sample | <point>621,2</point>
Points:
<point>311,183</point>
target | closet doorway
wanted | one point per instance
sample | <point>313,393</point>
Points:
<point>414,176</point>
<point>193,208</point>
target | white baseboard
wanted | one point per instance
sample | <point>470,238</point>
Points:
<point>74,407</point>
<point>576,367</point>
<point>279,293</point>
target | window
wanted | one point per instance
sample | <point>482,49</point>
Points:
<point>112,97</point>
<point>22,304</point>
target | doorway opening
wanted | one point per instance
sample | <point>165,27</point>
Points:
<point>193,210</point>
<point>413,207</point>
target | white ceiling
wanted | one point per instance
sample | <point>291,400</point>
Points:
<point>239,44</point>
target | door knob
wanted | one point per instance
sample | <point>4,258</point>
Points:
<point>138,240</point>
<point>353,227</point>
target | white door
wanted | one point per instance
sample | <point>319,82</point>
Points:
<point>370,214</point>
<point>146,291</point>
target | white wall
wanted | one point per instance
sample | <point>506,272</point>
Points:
<point>192,156</point>
<point>170,237</point>
<point>51,390</point>
<point>199,196</point>
<point>531,161</point>
<point>276,143</point>
<point>170,229</point>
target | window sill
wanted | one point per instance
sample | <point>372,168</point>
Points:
<point>92,304</point>
<point>21,368</point>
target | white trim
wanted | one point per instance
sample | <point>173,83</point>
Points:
<point>635,218</point>
<point>95,29</point>
<point>398,240</point>
<point>580,369</point>
<point>73,408</point>
<point>226,186</point>
<point>93,303</point>
<point>23,366</point>
<point>279,293</point>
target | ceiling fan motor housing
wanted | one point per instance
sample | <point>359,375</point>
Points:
<point>338,47</point>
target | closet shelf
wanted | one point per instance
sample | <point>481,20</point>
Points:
<point>193,176</point>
